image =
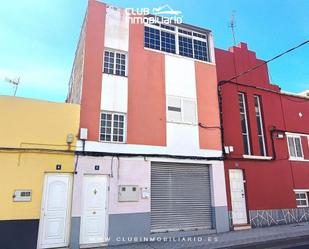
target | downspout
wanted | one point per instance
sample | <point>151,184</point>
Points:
<point>219,90</point>
<point>272,132</point>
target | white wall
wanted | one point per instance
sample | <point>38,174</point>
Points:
<point>145,149</point>
<point>182,139</point>
<point>116,29</point>
<point>217,175</point>
<point>114,95</point>
<point>180,77</point>
<point>180,81</point>
<point>125,171</point>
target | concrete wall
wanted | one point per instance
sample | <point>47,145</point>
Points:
<point>76,79</point>
<point>32,133</point>
<point>152,76</point>
<point>127,219</point>
<point>122,171</point>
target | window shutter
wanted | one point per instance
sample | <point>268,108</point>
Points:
<point>174,109</point>
<point>189,111</point>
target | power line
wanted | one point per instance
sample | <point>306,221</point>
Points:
<point>265,62</point>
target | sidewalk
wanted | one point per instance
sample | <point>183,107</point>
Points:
<point>228,239</point>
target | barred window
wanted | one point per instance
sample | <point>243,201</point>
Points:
<point>115,63</point>
<point>112,127</point>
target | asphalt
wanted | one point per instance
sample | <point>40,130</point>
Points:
<point>301,242</point>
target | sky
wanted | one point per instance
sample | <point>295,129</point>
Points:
<point>38,38</point>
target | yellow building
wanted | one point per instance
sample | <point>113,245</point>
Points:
<point>37,144</point>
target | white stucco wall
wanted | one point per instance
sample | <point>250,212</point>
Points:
<point>114,95</point>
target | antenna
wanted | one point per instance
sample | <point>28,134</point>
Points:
<point>233,26</point>
<point>14,82</point>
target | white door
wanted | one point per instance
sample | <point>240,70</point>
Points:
<point>238,198</point>
<point>55,211</point>
<point>94,210</point>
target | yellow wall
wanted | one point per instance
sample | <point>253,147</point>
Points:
<point>27,123</point>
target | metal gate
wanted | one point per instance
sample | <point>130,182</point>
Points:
<point>180,197</point>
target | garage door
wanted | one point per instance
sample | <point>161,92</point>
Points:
<point>180,197</point>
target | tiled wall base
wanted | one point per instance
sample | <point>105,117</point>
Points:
<point>266,218</point>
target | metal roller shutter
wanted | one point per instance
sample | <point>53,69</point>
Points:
<point>180,197</point>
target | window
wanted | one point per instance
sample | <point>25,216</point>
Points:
<point>244,123</point>
<point>301,199</point>
<point>171,39</point>
<point>120,64</point>
<point>168,42</point>
<point>295,147</point>
<point>259,121</point>
<point>115,63</point>
<point>109,59</point>
<point>185,46</point>
<point>181,110</point>
<point>152,38</point>
<point>200,50</point>
<point>112,127</point>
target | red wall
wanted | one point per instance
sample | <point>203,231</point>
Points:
<point>92,78</point>
<point>269,184</point>
<point>146,92</point>
<point>146,117</point>
<point>207,106</point>
<point>237,60</point>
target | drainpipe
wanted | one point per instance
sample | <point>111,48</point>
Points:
<point>219,90</point>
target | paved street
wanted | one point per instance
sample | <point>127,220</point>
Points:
<point>294,236</point>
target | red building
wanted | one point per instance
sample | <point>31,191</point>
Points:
<point>265,133</point>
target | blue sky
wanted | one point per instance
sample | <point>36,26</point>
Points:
<point>38,38</point>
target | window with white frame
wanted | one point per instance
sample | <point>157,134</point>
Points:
<point>259,121</point>
<point>115,63</point>
<point>295,147</point>
<point>176,40</point>
<point>112,127</point>
<point>244,123</point>
<point>301,199</point>
<point>181,110</point>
